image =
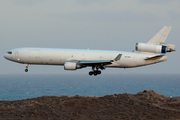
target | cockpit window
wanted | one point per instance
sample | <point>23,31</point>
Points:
<point>9,52</point>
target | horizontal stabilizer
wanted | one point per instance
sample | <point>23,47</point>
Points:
<point>155,57</point>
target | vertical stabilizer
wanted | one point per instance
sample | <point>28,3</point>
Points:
<point>161,36</point>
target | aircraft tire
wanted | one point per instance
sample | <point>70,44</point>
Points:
<point>90,73</point>
<point>99,72</point>
<point>95,73</point>
<point>26,70</point>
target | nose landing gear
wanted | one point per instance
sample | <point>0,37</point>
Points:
<point>26,70</point>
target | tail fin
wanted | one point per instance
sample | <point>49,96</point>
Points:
<point>161,36</point>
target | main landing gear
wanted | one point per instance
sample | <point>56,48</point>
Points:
<point>94,72</point>
<point>26,70</point>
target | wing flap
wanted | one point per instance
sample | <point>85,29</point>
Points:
<point>99,62</point>
<point>95,62</point>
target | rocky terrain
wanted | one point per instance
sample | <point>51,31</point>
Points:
<point>146,105</point>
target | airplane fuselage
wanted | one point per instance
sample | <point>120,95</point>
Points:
<point>55,56</point>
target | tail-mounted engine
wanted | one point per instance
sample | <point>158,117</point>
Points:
<point>163,48</point>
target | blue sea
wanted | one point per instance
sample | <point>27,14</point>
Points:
<point>18,87</point>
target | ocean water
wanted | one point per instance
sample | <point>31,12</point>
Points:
<point>18,87</point>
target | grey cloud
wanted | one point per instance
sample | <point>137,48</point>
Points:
<point>86,2</point>
<point>27,2</point>
<point>155,1</point>
<point>108,17</point>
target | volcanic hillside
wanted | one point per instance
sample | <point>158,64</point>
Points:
<point>145,105</point>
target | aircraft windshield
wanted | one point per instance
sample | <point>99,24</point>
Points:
<point>9,52</point>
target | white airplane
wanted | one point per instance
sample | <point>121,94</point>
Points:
<point>148,53</point>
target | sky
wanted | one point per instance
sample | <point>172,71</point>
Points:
<point>82,24</point>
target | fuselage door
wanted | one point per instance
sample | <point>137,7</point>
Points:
<point>16,54</point>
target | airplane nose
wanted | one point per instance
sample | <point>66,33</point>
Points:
<point>5,56</point>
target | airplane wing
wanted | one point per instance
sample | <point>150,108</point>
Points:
<point>95,62</point>
<point>99,62</point>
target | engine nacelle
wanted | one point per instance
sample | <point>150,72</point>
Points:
<point>170,47</point>
<point>143,47</point>
<point>71,66</point>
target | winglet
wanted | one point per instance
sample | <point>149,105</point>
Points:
<point>118,57</point>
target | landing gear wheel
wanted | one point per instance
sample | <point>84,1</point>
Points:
<point>90,73</point>
<point>98,72</point>
<point>95,73</point>
<point>26,70</point>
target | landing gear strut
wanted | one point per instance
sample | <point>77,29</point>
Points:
<point>26,70</point>
<point>94,72</point>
